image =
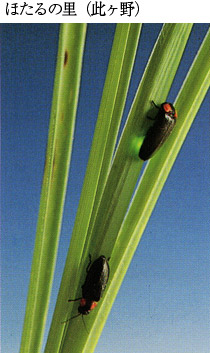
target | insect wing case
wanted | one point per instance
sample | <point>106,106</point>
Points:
<point>96,279</point>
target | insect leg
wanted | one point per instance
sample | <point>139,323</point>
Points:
<point>85,324</point>
<point>88,266</point>
<point>74,300</point>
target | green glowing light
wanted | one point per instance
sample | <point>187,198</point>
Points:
<point>136,142</point>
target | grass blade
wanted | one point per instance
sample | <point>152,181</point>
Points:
<point>126,167</point>
<point>115,90</point>
<point>124,174</point>
<point>153,180</point>
<point>65,96</point>
<point>118,106</point>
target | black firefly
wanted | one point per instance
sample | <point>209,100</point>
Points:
<point>94,286</point>
<point>157,134</point>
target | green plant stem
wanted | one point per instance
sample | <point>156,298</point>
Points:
<point>126,167</point>
<point>65,97</point>
<point>115,90</point>
<point>120,186</point>
<point>152,182</point>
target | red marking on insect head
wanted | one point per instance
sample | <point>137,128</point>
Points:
<point>82,302</point>
<point>167,107</point>
<point>93,305</point>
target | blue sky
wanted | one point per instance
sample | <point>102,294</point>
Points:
<point>163,304</point>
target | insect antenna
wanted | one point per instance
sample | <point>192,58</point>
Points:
<point>155,105</point>
<point>73,317</point>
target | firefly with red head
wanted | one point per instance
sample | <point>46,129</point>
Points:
<point>94,286</point>
<point>157,134</point>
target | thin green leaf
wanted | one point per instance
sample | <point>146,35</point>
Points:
<point>152,183</point>
<point>118,106</point>
<point>65,97</point>
<point>110,113</point>
<point>126,167</point>
<point>124,173</point>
